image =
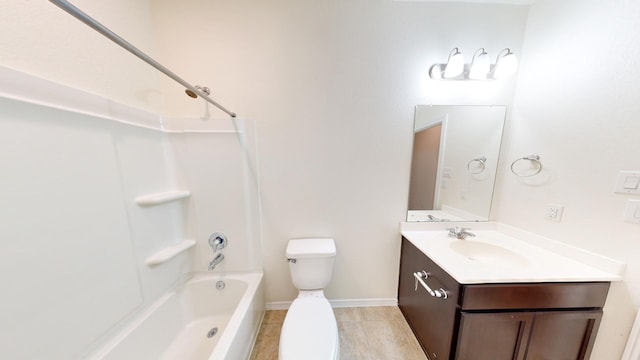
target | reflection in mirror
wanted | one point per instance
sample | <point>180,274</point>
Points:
<point>455,158</point>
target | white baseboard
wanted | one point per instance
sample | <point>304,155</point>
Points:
<point>339,303</point>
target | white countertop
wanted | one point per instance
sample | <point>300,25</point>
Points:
<point>500,258</point>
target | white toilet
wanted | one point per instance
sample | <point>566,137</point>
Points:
<point>310,331</point>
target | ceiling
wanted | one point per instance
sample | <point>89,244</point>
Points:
<point>507,2</point>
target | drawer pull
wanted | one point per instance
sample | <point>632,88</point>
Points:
<point>420,277</point>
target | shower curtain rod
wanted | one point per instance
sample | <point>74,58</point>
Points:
<point>80,15</point>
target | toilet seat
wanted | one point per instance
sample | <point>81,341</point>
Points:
<point>309,331</point>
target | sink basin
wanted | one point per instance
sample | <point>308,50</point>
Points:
<point>488,254</point>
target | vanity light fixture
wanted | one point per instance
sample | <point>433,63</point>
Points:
<point>479,69</point>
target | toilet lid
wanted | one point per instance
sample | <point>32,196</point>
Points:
<point>311,248</point>
<point>309,331</point>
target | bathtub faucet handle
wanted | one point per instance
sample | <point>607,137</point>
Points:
<point>217,241</point>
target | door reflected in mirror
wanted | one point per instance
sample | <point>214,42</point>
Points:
<point>454,163</point>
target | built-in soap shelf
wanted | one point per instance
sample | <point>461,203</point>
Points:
<point>169,252</point>
<point>161,198</point>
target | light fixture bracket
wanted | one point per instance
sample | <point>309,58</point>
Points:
<point>437,70</point>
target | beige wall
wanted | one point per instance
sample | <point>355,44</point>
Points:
<point>577,106</point>
<point>332,86</point>
<point>38,38</point>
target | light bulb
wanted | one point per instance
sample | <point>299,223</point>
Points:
<point>505,65</point>
<point>455,65</point>
<point>480,65</point>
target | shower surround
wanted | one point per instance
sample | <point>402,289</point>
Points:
<point>77,164</point>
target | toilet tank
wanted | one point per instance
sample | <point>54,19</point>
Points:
<point>311,262</point>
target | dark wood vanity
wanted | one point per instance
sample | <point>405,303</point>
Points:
<point>510,321</point>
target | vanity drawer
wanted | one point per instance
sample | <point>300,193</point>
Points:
<point>534,296</point>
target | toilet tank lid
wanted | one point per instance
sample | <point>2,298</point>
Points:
<point>311,248</point>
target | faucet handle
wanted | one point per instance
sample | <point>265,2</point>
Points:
<point>217,241</point>
<point>459,232</point>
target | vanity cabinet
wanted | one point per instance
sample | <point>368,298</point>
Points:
<point>515,321</point>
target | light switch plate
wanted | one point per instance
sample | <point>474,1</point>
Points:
<point>447,171</point>
<point>628,182</point>
<point>553,212</point>
<point>632,213</point>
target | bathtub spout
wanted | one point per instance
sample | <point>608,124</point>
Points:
<point>216,260</point>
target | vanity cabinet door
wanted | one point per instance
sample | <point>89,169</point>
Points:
<point>563,335</point>
<point>432,319</point>
<point>494,336</point>
<point>544,335</point>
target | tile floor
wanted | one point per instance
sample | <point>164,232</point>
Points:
<point>366,333</point>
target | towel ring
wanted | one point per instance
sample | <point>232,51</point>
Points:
<point>533,158</point>
<point>477,168</point>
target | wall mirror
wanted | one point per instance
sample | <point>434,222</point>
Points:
<point>454,163</point>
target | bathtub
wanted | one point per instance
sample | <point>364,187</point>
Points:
<point>196,321</point>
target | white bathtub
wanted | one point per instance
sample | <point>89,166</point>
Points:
<point>176,326</point>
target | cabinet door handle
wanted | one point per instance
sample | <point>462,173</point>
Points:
<point>420,277</point>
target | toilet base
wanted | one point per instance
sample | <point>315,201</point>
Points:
<point>310,330</point>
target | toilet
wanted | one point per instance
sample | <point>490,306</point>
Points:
<point>310,331</point>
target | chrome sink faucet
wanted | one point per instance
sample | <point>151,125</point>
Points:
<point>216,260</point>
<point>433,218</point>
<point>460,233</point>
